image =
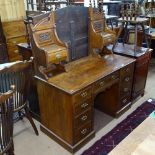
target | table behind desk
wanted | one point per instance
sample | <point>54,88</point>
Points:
<point>67,100</point>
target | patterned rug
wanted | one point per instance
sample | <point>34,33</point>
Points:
<point>123,129</point>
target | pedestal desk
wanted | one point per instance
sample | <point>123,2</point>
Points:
<point>67,100</point>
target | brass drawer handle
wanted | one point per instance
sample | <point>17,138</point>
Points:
<point>113,77</point>
<point>126,89</point>
<point>83,118</point>
<point>84,105</point>
<point>127,79</point>
<point>84,94</point>
<point>101,83</point>
<point>125,100</point>
<point>84,131</point>
<point>127,69</point>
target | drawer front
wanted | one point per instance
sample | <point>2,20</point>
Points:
<point>106,82</point>
<point>12,48</point>
<point>126,85</point>
<point>55,57</point>
<point>83,95</point>
<point>125,100</point>
<point>128,70</point>
<point>82,132</point>
<point>83,118</point>
<point>81,107</point>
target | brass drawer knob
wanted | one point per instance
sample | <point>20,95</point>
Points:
<point>84,131</point>
<point>127,79</point>
<point>127,69</point>
<point>101,83</point>
<point>83,118</point>
<point>126,89</point>
<point>125,100</point>
<point>84,94</point>
<point>84,105</point>
<point>113,77</point>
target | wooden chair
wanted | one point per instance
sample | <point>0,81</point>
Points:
<point>6,122</point>
<point>18,74</point>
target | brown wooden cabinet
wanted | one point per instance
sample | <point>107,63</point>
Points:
<point>67,100</point>
<point>3,48</point>
<point>15,33</point>
<point>142,56</point>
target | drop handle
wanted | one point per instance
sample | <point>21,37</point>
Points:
<point>124,101</point>
<point>84,94</point>
<point>127,79</point>
<point>113,77</point>
<point>126,89</point>
<point>84,131</point>
<point>83,118</point>
<point>84,105</point>
<point>101,83</point>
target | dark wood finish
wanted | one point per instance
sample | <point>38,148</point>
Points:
<point>6,122</point>
<point>3,48</point>
<point>66,100</point>
<point>18,74</point>
<point>26,53</point>
<point>142,57</point>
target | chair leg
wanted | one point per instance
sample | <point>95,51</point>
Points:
<point>28,115</point>
<point>11,150</point>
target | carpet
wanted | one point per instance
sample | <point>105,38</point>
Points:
<point>123,129</point>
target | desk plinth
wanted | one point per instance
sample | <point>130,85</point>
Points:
<point>67,100</point>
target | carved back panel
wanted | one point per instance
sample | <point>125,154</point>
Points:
<point>43,31</point>
<point>72,27</point>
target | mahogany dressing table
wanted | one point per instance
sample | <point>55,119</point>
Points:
<point>67,99</point>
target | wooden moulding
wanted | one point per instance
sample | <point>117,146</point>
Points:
<point>64,144</point>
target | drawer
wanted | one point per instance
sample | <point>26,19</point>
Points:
<point>81,107</point>
<point>128,70</point>
<point>82,132</point>
<point>83,118</point>
<point>106,82</point>
<point>125,91</point>
<point>83,95</point>
<point>55,57</point>
<point>125,100</point>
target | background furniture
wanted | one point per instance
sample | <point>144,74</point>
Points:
<point>26,53</point>
<point>3,48</point>
<point>6,122</point>
<point>15,33</point>
<point>18,74</point>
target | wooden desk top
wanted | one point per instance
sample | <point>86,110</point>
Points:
<point>131,143</point>
<point>85,71</point>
